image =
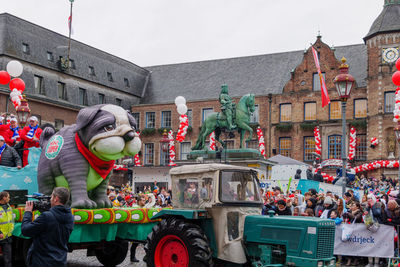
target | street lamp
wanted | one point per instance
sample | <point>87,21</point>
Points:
<point>344,82</point>
<point>23,112</point>
<point>397,132</point>
<point>165,141</point>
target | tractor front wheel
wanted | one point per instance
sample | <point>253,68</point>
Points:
<point>113,253</point>
<point>175,242</point>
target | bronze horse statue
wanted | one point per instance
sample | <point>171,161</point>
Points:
<point>217,121</point>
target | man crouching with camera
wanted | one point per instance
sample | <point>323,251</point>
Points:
<point>50,231</point>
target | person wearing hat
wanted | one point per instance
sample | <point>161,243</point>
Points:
<point>329,205</point>
<point>282,208</point>
<point>8,156</point>
<point>12,133</point>
<point>31,136</point>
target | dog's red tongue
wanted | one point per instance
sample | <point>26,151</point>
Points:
<point>103,168</point>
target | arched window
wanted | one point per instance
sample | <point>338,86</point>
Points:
<point>334,146</point>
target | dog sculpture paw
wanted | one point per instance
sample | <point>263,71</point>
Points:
<point>103,202</point>
<point>84,204</point>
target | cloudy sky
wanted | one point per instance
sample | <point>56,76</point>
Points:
<point>157,32</point>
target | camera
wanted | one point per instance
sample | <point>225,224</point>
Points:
<point>43,202</point>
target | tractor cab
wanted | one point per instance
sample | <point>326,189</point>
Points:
<point>207,185</point>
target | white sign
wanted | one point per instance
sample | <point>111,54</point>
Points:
<point>365,243</point>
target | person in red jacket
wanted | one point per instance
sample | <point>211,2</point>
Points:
<point>30,135</point>
<point>3,126</point>
<point>12,136</point>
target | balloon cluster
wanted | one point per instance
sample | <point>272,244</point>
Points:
<point>396,81</point>
<point>171,149</point>
<point>374,142</point>
<point>261,142</point>
<point>377,164</point>
<point>212,141</point>
<point>352,143</point>
<point>17,85</point>
<point>181,107</point>
<point>183,126</point>
<point>317,142</point>
<point>137,158</point>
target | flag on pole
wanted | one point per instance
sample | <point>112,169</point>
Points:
<point>324,91</point>
<point>70,24</point>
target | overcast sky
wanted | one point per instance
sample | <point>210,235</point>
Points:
<point>157,32</point>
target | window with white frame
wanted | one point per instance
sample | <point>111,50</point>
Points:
<point>252,144</point>
<point>166,119</point>
<point>150,119</point>
<point>317,81</point>
<point>389,102</point>
<point>164,157</point>
<point>206,112</point>
<point>185,150</point>
<point>136,116</point>
<point>149,154</point>
<point>361,147</point>
<point>254,115</point>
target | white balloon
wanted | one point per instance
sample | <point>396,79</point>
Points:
<point>182,109</point>
<point>180,100</point>
<point>14,68</point>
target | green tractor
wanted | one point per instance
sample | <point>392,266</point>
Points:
<point>217,220</point>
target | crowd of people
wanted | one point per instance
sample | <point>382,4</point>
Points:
<point>380,204</point>
<point>15,142</point>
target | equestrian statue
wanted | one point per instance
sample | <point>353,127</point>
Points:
<point>232,117</point>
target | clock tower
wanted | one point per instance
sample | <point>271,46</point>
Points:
<point>383,49</point>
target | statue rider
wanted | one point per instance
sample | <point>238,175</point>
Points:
<point>227,106</point>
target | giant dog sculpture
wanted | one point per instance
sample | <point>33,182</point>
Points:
<point>81,156</point>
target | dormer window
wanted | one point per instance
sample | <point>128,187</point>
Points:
<point>110,77</point>
<point>91,71</point>
<point>126,82</point>
<point>25,48</point>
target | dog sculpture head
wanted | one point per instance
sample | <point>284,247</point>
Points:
<point>108,131</point>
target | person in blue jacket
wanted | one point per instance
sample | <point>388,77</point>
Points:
<point>50,231</point>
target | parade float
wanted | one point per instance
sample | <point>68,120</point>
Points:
<point>81,158</point>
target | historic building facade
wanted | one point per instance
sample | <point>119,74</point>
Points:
<point>288,97</point>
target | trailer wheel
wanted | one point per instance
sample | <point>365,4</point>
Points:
<point>113,253</point>
<point>175,242</point>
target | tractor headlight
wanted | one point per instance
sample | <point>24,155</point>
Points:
<point>320,264</point>
<point>332,262</point>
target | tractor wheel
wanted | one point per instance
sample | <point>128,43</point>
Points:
<point>113,253</point>
<point>175,242</point>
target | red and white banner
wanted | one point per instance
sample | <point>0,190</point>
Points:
<point>317,142</point>
<point>171,149</point>
<point>137,158</point>
<point>352,143</point>
<point>261,142</point>
<point>324,91</point>
<point>212,141</point>
<point>396,110</point>
<point>183,126</point>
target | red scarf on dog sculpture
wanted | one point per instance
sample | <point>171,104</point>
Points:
<point>103,168</point>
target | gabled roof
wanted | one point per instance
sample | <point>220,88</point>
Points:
<point>261,75</point>
<point>15,31</point>
<point>387,21</point>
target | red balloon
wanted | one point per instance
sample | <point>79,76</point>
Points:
<point>18,84</point>
<point>396,78</point>
<point>4,77</point>
<point>398,64</point>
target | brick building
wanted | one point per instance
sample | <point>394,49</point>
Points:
<point>288,97</point>
<point>287,90</point>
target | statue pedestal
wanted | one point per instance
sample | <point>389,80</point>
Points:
<point>225,154</point>
<point>391,155</point>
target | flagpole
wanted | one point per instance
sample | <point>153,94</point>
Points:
<point>69,36</point>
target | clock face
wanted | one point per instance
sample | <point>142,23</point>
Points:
<point>390,55</point>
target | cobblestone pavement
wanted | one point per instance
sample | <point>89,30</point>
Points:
<point>78,258</point>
